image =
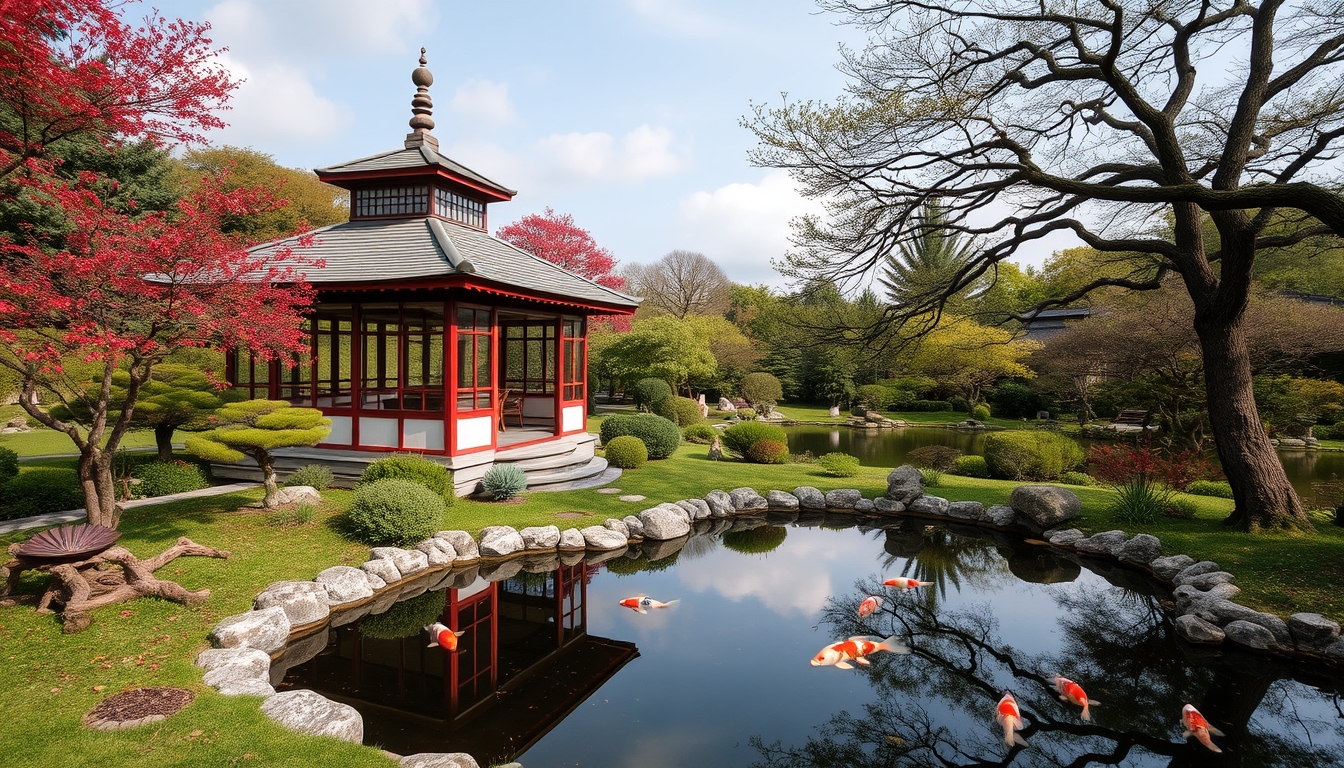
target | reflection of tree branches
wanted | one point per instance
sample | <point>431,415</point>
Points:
<point>946,558</point>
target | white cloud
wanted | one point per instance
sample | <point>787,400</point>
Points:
<point>743,226</point>
<point>483,100</point>
<point>311,31</point>
<point>277,104</point>
<point>791,581</point>
<point>677,17</point>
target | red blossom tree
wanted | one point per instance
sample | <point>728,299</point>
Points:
<point>556,238</point>
<point>75,67</point>
<point>123,292</point>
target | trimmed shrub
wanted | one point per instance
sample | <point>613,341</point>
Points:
<point>406,618</point>
<point>741,436</point>
<point>9,465</point>
<point>960,404</point>
<point>768,452</point>
<point>396,512</point>
<point>756,541</point>
<point>746,414</point>
<point>415,468</point>
<point>980,413</point>
<point>1076,478</point>
<point>160,478</point>
<point>626,452</point>
<point>702,434</point>
<point>839,464</point>
<point>312,475</point>
<point>1219,488</point>
<point>929,406</point>
<point>650,392</point>
<point>762,390</point>
<point>682,411</point>
<point>1036,455</point>
<point>971,466</point>
<point>504,481</point>
<point>660,436</point>
<point>940,457</point>
<point>39,491</point>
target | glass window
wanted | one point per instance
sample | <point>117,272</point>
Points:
<point>475,362</point>
<point>451,205</point>
<point>392,201</point>
<point>334,324</point>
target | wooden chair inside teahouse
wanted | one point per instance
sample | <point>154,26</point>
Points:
<point>510,404</point>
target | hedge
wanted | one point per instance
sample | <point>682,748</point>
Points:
<point>39,491</point>
<point>660,436</point>
<point>1034,455</point>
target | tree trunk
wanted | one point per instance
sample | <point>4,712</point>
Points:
<point>163,437</point>
<point>1264,497</point>
<point>100,488</point>
<point>267,465</point>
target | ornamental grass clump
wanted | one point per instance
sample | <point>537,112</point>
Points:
<point>314,476</point>
<point>1145,481</point>
<point>504,481</point>
<point>626,452</point>
<point>741,436</point>
<point>659,435</point>
<point>932,477</point>
<point>838,464</point>
<point>394,512</point>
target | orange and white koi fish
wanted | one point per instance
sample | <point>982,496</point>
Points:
<point>440,636</point>
<point>869,605</point>
<point>902,583</point>
<point>855,649</point>
<point>642,603</point>
<point>1072,693</point>
<point>1010,717</point>
<point>1195,725</point>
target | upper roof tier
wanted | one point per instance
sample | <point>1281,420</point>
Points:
<point>421,160</point>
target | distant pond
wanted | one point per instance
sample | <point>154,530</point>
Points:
<point>552,671</point>
<point>888,448</point>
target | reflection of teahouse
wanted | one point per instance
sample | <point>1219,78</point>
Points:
<point>429,332</point>
<point>524,662</point>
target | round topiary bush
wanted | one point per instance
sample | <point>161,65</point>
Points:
<point>9,465</point>
<point>762,390</point>
<point>626,452</point>
<point>160,478</point>
<point>415,468</point>
<point>971,466</point>
<point>682,411</point>
<point>702,434</point>
<point>311,475</point>
<point>839,464</point>
<point>1076,478</point>
<point>660,436</point>
<point>394,512</point>
<point>741,436</point>
<point>1219,488</point>
<point>504,481</point>
<point>39,491</point>
<point>768,452</point>
<point>980,413</point>
<point>756,541</point>
<point>1031,455</point>
<point>746,414</point>
<point>650,392</point>
<point>406,618</point>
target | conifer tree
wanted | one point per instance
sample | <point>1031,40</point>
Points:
<point>254,428</point>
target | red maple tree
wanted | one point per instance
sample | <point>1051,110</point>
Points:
<point>123,292</point>
<point>76,67</point>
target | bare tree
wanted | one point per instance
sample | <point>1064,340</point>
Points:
<point>1025,118</point>
<point>681,283</point>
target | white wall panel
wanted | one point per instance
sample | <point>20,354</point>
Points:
<point>377,433</point>
<point>425,434</point>
<point>475,432</point>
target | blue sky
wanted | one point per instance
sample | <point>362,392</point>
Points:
<point>624,113</point>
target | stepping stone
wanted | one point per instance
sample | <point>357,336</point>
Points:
<point>632,497</point>
<point>608,490</point>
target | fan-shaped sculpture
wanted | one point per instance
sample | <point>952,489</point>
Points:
<point>69,542</point>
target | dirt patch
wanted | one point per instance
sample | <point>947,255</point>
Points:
<point>137,706</point>
<point>571,515</point>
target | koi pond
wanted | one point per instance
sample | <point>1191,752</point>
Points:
<point>551,670</point>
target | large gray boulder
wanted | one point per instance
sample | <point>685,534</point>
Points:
<point>312,713</point>
<point>661,523</point>
<point>437,551</point>
<point>1046,506</point>
<point>1190,571</point>
<point>966,510</point>
<point>1105,543</point>
<point>238,669</point>
<point>1142,549</point>
<point>408,561</point>
<point>905,484</point>
<point>1335,649</point>
<point>298,494</point>
<point>244,686</point>
<point>1207,581</point>
<point>500,541</point>
<point>381,572</point>
<point>928,505</point>
<point>571,539</point>
<point>843,498</point>
<point>1198,631</point>
<point>602,538</point>
<point>439,760</point>
<point>634,526</point>
<point>302,601</point>
<point>698,509</point>
<point>618,526</point>
<point>884,506</point>
<point>1219,611</point>
<point>809,497</point>
<point>748,500</point>
<point>1250,635</point>
<point>540,537</point>
<point>782,500</point>
<point>1001,515</point>
<point>1312,631</point>
<point>1168,567</point>
<point>462,543</point>
<point>1066,537</point>
<point>865,506</point>
<point>266,630</point>
<point>720,503</point>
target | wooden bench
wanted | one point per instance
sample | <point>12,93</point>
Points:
<point>1132,418</point>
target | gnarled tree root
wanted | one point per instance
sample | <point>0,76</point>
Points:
<point>82,586</point>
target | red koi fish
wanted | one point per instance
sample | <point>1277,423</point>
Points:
<point>1195,725</point>
<point>1072,693</point>
<point>902,583</point>
<point>1010,717</point>
<point>440,636</point>
<point>855,649</point>
<point>869,605</point>
<point>642,603</point>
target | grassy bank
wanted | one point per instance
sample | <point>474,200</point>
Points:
<point>44,442</point>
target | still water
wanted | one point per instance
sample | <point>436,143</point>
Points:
<point>553,672</point>
<point>888,448</point>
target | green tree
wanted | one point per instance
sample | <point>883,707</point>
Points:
<point>966,357</point>
<point>254,428</point>
<point>663,347</point>
<point>922,266</point>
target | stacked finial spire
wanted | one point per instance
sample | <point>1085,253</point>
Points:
<point>422,107</point>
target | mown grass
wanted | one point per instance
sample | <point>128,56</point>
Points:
<point>44,442</point>
<point>952,417</point>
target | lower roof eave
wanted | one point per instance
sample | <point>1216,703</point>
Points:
<point>477,284</point>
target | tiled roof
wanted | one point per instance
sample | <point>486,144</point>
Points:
<point>427,247</point>
<point>412,157</point>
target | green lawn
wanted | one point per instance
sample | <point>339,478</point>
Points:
<point>951,417</point>
<point>42,442</point>
<point>801,412</point>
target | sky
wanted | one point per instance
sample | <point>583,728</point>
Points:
<point>624,113</point>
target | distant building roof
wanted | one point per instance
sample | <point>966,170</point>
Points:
<point>1049,322</point>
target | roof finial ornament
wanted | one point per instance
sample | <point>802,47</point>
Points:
<point>422,106</point>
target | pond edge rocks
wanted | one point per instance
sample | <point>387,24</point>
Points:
<point>287,617</point>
